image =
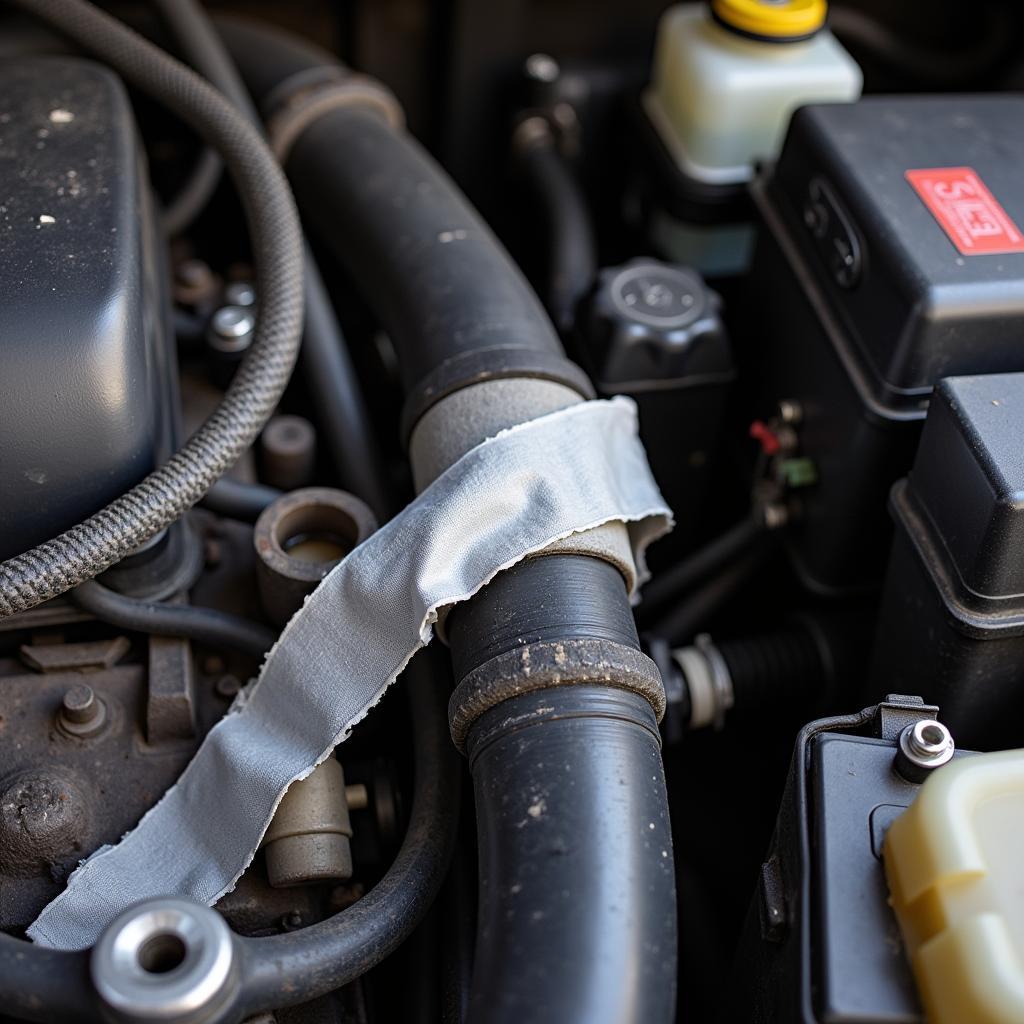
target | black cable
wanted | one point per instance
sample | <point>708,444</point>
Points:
<point>203,49</point>
<point>668,586</point>
<point>685,620</point>
<point>106,537</point>
<point>201,46</point>
<point>570,243</point>
<point>283,970</point>
<point>206,625</point>
<point>46,985</point>
<point>194,196</point>
<point>331,380</point>
<point>236,500</point>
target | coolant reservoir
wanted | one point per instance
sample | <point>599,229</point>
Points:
<point>727,78</point>
<point>953,862</point>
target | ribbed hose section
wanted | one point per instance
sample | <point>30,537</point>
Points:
<point>774,668</point>
<point>166,494</point>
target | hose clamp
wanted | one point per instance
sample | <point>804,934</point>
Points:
<point>305,101</point>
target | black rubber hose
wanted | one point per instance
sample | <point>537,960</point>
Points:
<point>282,970</point>
<point>194,196</point>
<point>774,668</point>
<point>684,621</point>
<point>459,312</point>
<point>92,546</point>
<point>236,500</point>
<point>568,820</point>
<point>571,248</point>
<point>668,586</point>
<point>409,238</point>
<point>206,625</point>
<point>455,306</point>
<point>46,985</point>
<point>333,386</point>
<point>202,47</point>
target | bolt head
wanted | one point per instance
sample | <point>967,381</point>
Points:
<point>81,713</point>
<point>233,321</point>
<point>923,747</point>
<point>79,704</point>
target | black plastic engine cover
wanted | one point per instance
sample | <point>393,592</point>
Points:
<point>83,344</point>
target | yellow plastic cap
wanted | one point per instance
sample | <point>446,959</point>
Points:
<point>793,19</point>
<point>953,861</point>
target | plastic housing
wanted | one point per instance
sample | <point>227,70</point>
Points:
<point>722,101</point>
<point>82,338</point>
<point>952,615</point>
<point>864,302</point>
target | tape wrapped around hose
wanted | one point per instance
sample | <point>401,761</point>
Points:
<point>506,499</point>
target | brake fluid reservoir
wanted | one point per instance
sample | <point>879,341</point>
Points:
<point>727,76</point>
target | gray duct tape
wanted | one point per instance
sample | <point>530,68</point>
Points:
<point>508,498</point>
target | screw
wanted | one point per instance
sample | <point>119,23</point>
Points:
<point>542,67</point>
<point>81,711</point>
<point>923,747</point>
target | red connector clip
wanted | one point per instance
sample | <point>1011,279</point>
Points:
<point>765,437</point>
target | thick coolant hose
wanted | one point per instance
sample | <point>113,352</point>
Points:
<point>106,537</point>
<point>471,334</point>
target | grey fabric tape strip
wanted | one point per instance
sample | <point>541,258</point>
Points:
<point>510,497</point>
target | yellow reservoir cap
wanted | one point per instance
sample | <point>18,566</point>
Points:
<point>953,861</point>
<point>792,19</point>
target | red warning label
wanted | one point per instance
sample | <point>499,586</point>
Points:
<point>971,216</point>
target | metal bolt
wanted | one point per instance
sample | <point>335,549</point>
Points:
<point>542,67</point>
<point>923,747</point>
<point>79,704</point>
<point>231,329</point>
<point>82,713</point>
<point>165,960</point>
